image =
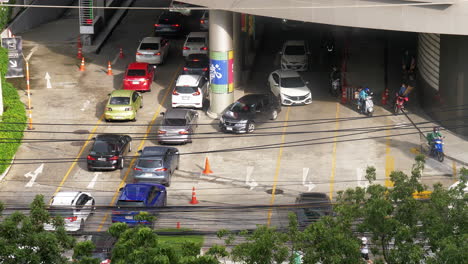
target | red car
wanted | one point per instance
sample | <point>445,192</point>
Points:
<point>139,76</point>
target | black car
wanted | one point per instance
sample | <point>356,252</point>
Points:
<point>108,151</point>
<point>196,67</point>
<point>169,24</point>
<point>313,205</point>
<point>243,115</point>
<point>198,57</point>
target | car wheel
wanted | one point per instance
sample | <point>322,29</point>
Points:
<point>250,127</point>
<point>274,115</point>
<point>141,105</point>
<point>134,119</point>
<point>165,201</point>
<point>107,120</point>
<point>90,168</point>
<point>168,183</point>
<point>93,207</point>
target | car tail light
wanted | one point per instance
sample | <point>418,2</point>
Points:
<point>196,93</point>
<point>91,157</point>
<point>72,219</point>
<point>185,69</point>
<point>163,169</point>
<point>204,48</point>
<point>109,109</point>
<point>202,21</point>
<point>186,48</point>
<point>161,132</point>
<point>185,132</point>
<point>195,60</point>
<point>138,53</point>
<point>157,54</point>
<point>156,25</point>
<point>114,158</point>
<point>129,109</point>
<point>175,92</point>
<point>176,25</point>
<point>205,69</point>
<point>137,169</point>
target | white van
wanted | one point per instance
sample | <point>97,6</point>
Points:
<point>196,42</point>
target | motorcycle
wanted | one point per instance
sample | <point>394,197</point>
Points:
<point>399,103</point>
<point>368,106</point>
<point>437,150</point>
<point>335,87</point>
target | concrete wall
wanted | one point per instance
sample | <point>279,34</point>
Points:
<point>33,17</point>
<point>452,100</point>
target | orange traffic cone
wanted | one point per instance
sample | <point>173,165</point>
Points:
<point>82,67</point>
<point>194,197</point>
<point>121,54</point>
<point>109,68</point>
<point>207,169</point>
<point>80,53</point>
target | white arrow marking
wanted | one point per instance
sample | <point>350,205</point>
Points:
<point>361,182</point>
<point>47,77</point>
<point>13,63</point>
<point>310,185</point>
<point>250,182</point>
<point>93,181</point>
<point>33,175</point>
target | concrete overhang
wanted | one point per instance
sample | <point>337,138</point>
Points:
<point>430,16</point>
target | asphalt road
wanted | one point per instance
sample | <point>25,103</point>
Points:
<point>321,147</point>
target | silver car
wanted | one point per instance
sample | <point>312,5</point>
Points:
<point>178,126</point>
<point>152,50</point>
<point>156,164</point>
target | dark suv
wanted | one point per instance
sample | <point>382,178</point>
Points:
<point>108,151</point>
<point>197,64</point>
<point>169,24</point>
<point>243,115</point>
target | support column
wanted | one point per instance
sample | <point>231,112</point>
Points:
<point>237,43</point>
<point>221,62</point>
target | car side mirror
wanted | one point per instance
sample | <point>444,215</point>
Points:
<point>120,189</point>
<point>307,82</point>
<point>108,94</point>
<point>94,138</point>
<point>139,151</point>
<point>162,113</point>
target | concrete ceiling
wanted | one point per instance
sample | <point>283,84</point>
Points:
<point>429,16</point>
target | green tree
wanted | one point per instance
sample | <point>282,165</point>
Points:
<point>24,240</point>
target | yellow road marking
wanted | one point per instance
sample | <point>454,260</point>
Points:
<point>148,130</point>
<point>78,156</point>
<point>454,169</point>
<point>389,159</point>
<point>415,151</point>
<point>333,170</point>
<point>278,166</point>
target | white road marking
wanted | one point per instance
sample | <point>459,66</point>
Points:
<point>250,182</point>
<point>85,105</point>
<point>310,185</point>
<point>93,181</point>
<point>31,53</point>
<point>361,181</point>
<point>206,177</point>
<point>47,77</point>
<point>223,180</point>
<point>33,175</point>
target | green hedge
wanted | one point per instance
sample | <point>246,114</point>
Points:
<point>14,111</point>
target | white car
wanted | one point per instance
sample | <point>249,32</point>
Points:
<point>196,42</point>
<point>152,50</point>
<point>204,20</point>
<point>180,8</point>
<point>289,87</point>
<point>190,91</point>
<point>295,55</point>
<point>74,207</point>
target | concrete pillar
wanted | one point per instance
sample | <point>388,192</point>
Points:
<point>221,62</point>
<point>237,43</point>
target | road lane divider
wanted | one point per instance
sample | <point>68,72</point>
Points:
<point>389,159</point>
<point>278,166</point>
<point>333,169</point>
<point>148,130</point>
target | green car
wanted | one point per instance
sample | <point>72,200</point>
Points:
<point>123,105</point>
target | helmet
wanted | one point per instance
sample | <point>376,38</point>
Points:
<point>436,129</point>
<point>364,240</point>
<point>367,89</point>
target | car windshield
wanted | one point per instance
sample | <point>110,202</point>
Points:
<point>101,147</point>
<point>294,50</point>
<point>186,89</point>
<point>149,46</point>
<point>144,163</point>
<point>292,82</point>
<point>195,39</point>
<point>130,203</point>
<point>63,212</point>
<point>196,64</point>
<point>175,122</point>
<point>240,107</point>
<point>136,73</point>
<point>119,101</point>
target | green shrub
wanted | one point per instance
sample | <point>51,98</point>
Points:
<point>14,112</point>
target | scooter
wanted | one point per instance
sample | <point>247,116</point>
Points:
<point>399,104</point>
<point>368,106</point>
<point>335,87</point>
<point>437,150</point>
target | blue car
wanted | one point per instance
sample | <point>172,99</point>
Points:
<point>141,195</point>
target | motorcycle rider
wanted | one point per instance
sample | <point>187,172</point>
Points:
<point>334,75</point>
<point>435,134</point>
<point>362,98</point>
